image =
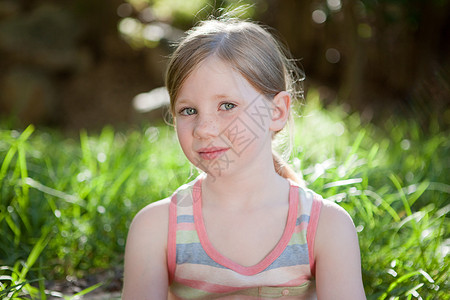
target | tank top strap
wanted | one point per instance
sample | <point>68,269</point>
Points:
<point>310,205</point>
<point>312,228</point>
<point>181,215</point>
<point>308,212</point>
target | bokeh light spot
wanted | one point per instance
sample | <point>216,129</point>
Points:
<point>124,10</point>
<point>333,55</point>
<point>101,209</point>
<point>334,5</point>
<point>153,33</point>
<point>129,26</point>
<point>364,30</point>
<point>101,157</point>
<point>319,16</point>
<point>405,144</point>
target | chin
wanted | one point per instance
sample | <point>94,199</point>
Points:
<point>215,170</point>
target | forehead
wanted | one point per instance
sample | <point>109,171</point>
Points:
<point>214,77</point>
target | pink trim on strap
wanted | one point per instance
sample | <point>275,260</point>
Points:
<point>172,239</point>
<point>311,231</point>
<point>270,258</point>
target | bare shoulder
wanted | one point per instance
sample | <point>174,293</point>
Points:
<point>334,217</point>
<point>337,254</point>
<point>335,229</point>
<point>149,228</point>
<point>155,214</point>
<point>145,274</point>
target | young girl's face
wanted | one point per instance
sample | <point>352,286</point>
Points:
<point>222,122</point>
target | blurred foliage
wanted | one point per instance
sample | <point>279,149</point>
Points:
<point>377,56</point>
<point>146,22</point>
<point>360,50</point>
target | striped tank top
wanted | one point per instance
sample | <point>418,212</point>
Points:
<point>198,271</point>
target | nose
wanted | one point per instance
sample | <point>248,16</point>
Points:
<point>206,127</point>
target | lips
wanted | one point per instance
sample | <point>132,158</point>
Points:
<point>211,152</point>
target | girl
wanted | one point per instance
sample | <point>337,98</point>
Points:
<point>244,229</point>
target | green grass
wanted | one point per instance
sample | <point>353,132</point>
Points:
<point>66,203</point>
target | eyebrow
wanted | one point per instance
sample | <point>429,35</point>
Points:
<point>181,101</point>
<point>218,96</point>
<point>222,96</point>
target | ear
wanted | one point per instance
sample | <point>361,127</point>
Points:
<point>281,104</point>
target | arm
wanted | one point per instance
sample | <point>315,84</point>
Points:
<point>146,275</point>
<point>338,262</point>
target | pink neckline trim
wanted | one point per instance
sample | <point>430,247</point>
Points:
<point>225,261</point>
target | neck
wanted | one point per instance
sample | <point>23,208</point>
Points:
<point>248,189</point>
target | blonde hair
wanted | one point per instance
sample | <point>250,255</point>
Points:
<point>248,48</point>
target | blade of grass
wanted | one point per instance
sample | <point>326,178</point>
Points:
<point>85,291</point>
<point>400,280</point>
<point>354,148</point>
<point>14,289</point>
<point>21,153</point>
<point>14,228</point>
<point>416,191</point>
<point>35,252</point>
<point>48,190</point>
<point>401,193</point>
<point>24,198</point>
<point>118,182</point>
<point>384,204</point>
<point>6,162</point>
<point>86,151</point>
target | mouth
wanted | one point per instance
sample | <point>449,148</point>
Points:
<point>212,152</point>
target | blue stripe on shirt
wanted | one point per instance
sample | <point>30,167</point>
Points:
<point>193,253</point>
<point>302,218</point>
<point>185,219</point>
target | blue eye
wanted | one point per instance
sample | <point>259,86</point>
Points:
<point>188,111</point>
<point>227,106</point>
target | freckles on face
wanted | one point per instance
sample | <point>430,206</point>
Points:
<point>218,110</point>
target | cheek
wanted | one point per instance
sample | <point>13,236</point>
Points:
<point>259,114</point>
<point>183,135</point>
<point>242,134</point>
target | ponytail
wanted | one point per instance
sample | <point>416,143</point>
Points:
<point>284,170</point>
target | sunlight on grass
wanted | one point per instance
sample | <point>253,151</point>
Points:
<point>66,203</point>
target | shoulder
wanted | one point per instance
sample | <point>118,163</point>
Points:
<point>332,215</point>
<point>337,255</point>
<point>145,271</point>
<point>151,221</point>
<point>335,227</point>
<point>149,227</point>
<point>152,213</point>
